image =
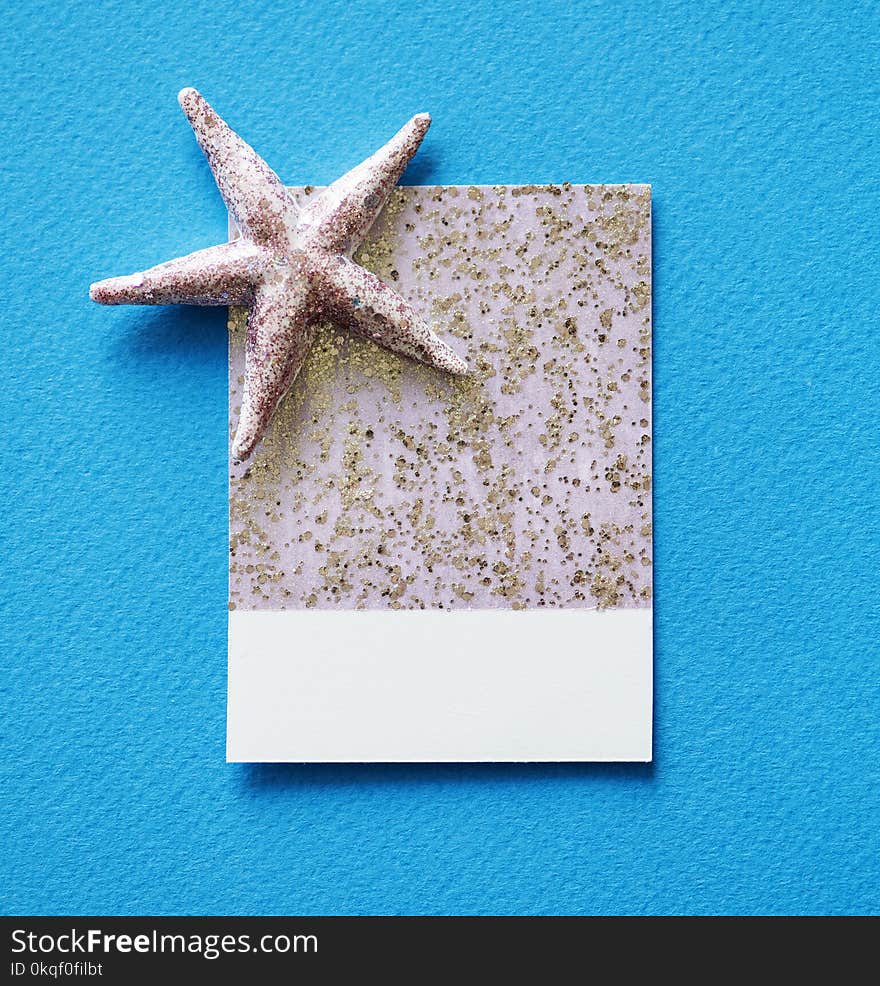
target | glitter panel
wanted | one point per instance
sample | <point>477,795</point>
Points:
<point>383,483</point>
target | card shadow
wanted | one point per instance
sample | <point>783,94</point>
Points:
<point>267,778</point>
<point>258,778</point>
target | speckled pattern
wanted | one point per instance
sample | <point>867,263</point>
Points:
<point>290,269</point>
<point>384,483</point>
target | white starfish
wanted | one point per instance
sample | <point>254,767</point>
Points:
<point>291,268</point>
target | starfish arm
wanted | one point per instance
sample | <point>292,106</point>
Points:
<point>251,190</point>
<point>361,301</point>
<point>220,275</point>
<point>340,217</point>
<point>279,332</point>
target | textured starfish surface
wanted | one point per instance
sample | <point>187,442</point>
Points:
<point>291,268</point>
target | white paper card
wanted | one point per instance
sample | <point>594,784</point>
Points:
<point>429,568</point>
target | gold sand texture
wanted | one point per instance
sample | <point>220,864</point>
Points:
<point>383,483</point>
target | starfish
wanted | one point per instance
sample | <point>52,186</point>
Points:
<point>292,268</point>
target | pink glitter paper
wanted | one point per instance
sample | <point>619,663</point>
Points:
<point>382,483</point>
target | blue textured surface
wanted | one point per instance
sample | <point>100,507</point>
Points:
<point>757,125</point>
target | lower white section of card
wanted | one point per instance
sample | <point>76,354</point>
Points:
<point>433,685</point>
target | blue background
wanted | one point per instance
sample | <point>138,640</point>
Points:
<point>757,124</point>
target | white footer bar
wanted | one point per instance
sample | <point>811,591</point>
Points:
<point>431,685</point>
